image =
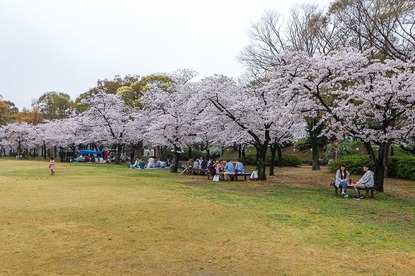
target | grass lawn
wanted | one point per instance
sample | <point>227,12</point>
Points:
<point>110,220</point>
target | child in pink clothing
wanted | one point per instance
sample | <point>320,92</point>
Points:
<point>52,166</point>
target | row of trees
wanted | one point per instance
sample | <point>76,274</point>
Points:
<point>345,73</point>
<point>58,105</point>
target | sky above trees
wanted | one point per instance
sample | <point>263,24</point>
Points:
<point>66,46</point>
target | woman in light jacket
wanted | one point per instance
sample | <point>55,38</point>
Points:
<point>342,178</point>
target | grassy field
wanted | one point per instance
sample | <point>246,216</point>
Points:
<point>110,220</point>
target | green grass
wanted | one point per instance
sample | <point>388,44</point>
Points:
<point>106,219</point>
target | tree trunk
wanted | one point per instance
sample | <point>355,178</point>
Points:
<point>176,157</point>
<point>118,154</point>
<point>314,131</point>
<point>261,153</point>
<point>44,150</point>
<point>272,160</point>
<point>243,154</point>
<point>279,152</point>
<point>316,158</point>
<point>379,163</point>
<point>261,156</point>
<point>132,155</point>
<point>157,152</point>
<point>190,153</point>
<point>139,147</point>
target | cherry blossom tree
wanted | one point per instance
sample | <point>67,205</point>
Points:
<point>19,136</point>
<point>135,136</point>
<point>107,117</point>
<point>65,133</point>
<point>170,114</point>
<point>367,99</point>
<point>254,110</point>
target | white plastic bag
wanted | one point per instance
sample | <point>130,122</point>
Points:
<point>216,177</point>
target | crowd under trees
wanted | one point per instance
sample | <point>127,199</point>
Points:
<point>342,73</point>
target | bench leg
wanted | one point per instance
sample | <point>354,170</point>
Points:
<point>336,191</point>
<point>372,193</point>
<point>367,193</point>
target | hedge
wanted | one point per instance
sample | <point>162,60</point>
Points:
<point>353,163</point>
<point>287,160</point>
<point>398,166</point>
<point>401,167</point>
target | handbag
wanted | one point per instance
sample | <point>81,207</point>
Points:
<point>216,177</point>
<point>333,182</point>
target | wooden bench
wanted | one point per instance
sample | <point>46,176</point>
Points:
<point>233,176</point>
<point>370,190</point>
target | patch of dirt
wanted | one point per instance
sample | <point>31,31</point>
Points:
<point>299,177</point>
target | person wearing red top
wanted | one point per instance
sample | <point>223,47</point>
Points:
<point>52,166</point>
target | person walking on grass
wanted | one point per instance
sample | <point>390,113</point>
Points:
<point>52,166</point>
<point>367,181</point>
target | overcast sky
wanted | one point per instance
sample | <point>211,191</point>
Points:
<point>67,45</point>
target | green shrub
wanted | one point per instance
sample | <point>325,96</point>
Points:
<point>398,166</point>
<point>290,160</point>
<point>250,158</point>
<point>302,144</point>
<point>353,163</point>
<point>196,153</point>
<point>215,151</point>
<point>287,159</point>
<point>401,167</point>
<point>393,166</point>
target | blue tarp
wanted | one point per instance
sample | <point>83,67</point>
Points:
<point>90,152</point>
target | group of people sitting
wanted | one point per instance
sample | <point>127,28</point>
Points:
<point>229,169</point>
<point>151,164</point>
<point>198,164</point>
<point>214,167</point>
<point>342,180</point>
<point>93,159</point>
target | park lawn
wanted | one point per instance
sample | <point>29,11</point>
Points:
<point>110,220</point>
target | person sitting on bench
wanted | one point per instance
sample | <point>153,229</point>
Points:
<point>342,178</point>
<point>367,181</point>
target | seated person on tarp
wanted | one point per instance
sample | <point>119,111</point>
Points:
<point>229,170</point>
<point>135,165</point>
<point>79,159</point>
<point>158,163</point>
<point>151,163</point>
<point>163,164</point>
<point>141,164</point>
